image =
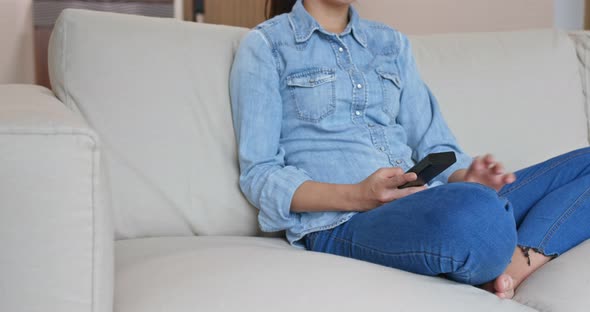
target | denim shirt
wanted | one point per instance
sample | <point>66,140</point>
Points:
<point>310,105</point>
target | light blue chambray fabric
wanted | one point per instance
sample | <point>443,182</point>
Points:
<point>312,105</point>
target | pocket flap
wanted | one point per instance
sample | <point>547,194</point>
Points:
<point>311,79</point>
<point>393,77</point>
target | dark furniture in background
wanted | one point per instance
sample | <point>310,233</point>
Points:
<point>45,13</point>
<point>243,13</point>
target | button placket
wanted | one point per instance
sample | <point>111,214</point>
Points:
<point>359,97</point>
<point>359,92</point>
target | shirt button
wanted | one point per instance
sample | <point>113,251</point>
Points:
<point>340,49</point>
<point>358,113</point>
<point>371,125</point>
<point>359,86</point>
<point>381,148</point>
<point>398,162</point>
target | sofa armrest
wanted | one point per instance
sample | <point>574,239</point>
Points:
<point>56,237</point>
<point>581,40</point>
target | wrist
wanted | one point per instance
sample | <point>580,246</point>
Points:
<point>357,199</point>
<point>352,195</point>
<point>457,176</point>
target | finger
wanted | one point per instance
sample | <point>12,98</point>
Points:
<point>509,178</point>
<point>477,164</point>
<point>389,195</point>
<point>489,160</point>
<point>410,176</point>
<point>401,193</point>
<point>403,179</point>
<point>390,172</point>
<point>498,168</point>
<point>499,182</point>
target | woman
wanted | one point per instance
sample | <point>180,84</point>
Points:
<point>330,111</point>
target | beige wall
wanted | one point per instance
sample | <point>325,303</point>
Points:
<point>438,16</point>
<point>16,42</point>
<point>410,16</point>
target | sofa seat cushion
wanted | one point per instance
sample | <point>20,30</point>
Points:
<point>563,284</point>
<point>265,274</point>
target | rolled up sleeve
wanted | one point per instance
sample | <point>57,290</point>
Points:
<point>420,116</point>
<point>266,181</point>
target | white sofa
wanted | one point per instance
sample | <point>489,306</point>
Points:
<point>120,192</point>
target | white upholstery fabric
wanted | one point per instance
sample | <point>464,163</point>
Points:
<point>217,274</point>
<point>582,42</point>
<point>160,104</point>
<point>516,94</point>
<point>56,242</point>
<point>156,92</point>
<point>561,285</point>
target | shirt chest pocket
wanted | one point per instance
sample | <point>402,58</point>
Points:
<point>313,93</point>
<point>391,84</point>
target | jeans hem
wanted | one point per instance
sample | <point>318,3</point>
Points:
<point>539,250</point>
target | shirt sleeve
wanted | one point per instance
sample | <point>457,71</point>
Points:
<point>420,116</point>
<point>266,181</point>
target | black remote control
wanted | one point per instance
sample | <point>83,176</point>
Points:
<point>429,167</point>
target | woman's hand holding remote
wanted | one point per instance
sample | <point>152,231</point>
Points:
<point>379,188</point>
<point>382,187</point>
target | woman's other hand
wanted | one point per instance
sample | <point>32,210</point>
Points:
<point>487,171</point>
<point>381,187</point>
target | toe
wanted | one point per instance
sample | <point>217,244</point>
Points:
<point>504,283</point>
<point>505,295</point>
<point>504,286</point>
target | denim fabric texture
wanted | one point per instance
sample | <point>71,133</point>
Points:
<point>313,105</point>
<point>468,232</point>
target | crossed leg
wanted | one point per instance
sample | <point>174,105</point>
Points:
<point>551,210</point>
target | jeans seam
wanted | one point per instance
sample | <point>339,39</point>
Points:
<point>564,216</point>
<point>397,254</point>
<point>311,240</point>
<point>537,175</point>
<point>307,242</point>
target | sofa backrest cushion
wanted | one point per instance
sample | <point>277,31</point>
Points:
<point>517,95</point>
<point>156,92</point>
<point>581,40</point>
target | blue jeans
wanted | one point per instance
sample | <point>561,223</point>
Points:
<point>468,232</point>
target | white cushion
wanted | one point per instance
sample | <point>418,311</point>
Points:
<point>582,41</point>
<point>217,274</point>
<point>56,236</point>
<point>516,94</point>
<point>562,284</point>
<point>156,92</point>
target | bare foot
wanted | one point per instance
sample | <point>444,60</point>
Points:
<point>517,271</point>
<point>503,286</point>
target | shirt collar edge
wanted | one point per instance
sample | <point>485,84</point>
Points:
<point>304,25</point>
